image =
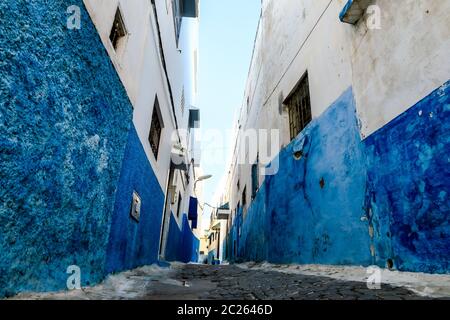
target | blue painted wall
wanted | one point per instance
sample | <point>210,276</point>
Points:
<point>64,123</point>
<point>212,257</point>
<point>232,250</point>
<point>395,183</point>
<point>182,244</point>
<point>408,163</point>
<point>293,219</point>
<point>133,244</point>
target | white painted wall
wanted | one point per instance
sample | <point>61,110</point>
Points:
<point>403,62</point>
<point>139,65</point>
<point>390,69</point>
<point>293,37</point>
<point>136,20</point>
<point>200,231</point>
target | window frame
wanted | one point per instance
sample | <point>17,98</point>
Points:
<point>180,200</point>
<point>255,178</point>
<point>122,34</point>
<point>299,108</point>
<point>244,197</point>
<point>156,116</point>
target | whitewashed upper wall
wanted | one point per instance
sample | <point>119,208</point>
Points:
<point>293,37</point>
<point>404,61</point>
<point>389,69</point>
<point>135,16</point>
<point>141,70</point>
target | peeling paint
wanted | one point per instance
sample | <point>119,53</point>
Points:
<point>294,220</point>
<point>386,200</point>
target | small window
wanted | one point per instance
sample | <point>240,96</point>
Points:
<point>248,105</point>
<point>244,197</point>
<point>180,200</point>
<point>255,179</point>
<point>118,30</point>
<point>299,107</point>
<point>155,129</point>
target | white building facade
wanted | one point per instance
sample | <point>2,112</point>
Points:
<point>357,93</point>
<point>104,180</point>
<point>156,58</point>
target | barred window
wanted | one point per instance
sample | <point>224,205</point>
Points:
<point>180,200</point>
<point>299,107</point>
<point>118,30</point>
<point>155,129</point>
<point>255,179</point>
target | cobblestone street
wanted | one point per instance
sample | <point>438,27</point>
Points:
<point>236,283</point>
<point>228,282</point>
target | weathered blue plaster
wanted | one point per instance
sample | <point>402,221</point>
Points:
<point>64,122</point>
<point>232,241</point>
<point>131,243</point>
<point>408,163</point>
<point>386,197</point>
<point>182,245</point>
<point>296,220</point>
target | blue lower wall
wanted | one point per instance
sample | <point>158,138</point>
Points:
<point>408,167</point>
<point>182,244</point>
<point>64,123</point>
<point>293,219</point>
<point>133,244</point>
<point>347,201</point>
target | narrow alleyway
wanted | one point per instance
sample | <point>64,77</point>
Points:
<point>138,133</point>
<point>226,282</point>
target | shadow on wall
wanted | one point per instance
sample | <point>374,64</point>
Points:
<point>182,245</point>
<point>381,201</point>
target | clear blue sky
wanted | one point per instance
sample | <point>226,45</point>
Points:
<point>227,33</point>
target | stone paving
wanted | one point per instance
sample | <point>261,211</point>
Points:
<point>225,282</point>
<point>237,283</point>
